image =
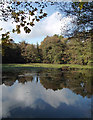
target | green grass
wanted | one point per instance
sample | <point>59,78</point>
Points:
<point>41,65</point>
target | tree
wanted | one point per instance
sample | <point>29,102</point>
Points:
<point>39,52</point>
<point>52,50</point>
<point>79,48</point>
<point>22,45</point>
<point>55,49</point>
<point>81,12</point>
<point>6,43</point>
<point>19,12</point>
<point>12,54</point>
<point>32,55</point>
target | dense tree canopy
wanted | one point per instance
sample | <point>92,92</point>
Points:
<point>79,48</point>
<point>54,49</point>
<point>32,54</point>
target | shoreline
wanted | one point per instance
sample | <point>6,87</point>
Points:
<point>42,65</point>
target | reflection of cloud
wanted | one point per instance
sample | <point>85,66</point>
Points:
<point>0,101</point>
<point>20,95</point>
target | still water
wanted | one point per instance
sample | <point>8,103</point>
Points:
<point>46,93</point>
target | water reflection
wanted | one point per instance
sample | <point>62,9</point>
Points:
<point>38,93</point>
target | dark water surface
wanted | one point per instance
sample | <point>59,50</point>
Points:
<point>46,93</point>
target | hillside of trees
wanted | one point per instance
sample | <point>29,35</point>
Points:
<point>54,49</point>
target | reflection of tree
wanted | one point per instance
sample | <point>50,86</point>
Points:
<point>78,82</point>
<point>9,78</point>
<point>52,79</point>
<point>25,79</point>
<point>8,82</point>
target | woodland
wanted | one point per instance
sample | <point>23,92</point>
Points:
<point>53,49</point>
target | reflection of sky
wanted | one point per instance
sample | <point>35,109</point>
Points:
<point>0,101</point>
<point>34,96</point>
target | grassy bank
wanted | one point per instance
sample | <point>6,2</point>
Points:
<point>41,65</point>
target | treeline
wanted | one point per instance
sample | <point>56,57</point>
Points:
<point>55,49</point>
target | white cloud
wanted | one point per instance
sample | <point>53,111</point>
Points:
<point>53,24</point>
<point>49,26</point>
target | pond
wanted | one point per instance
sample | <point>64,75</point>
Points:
<point>46,93</point>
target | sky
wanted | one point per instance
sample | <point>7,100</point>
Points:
<point>52,24</point>
<point>56,22</point>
